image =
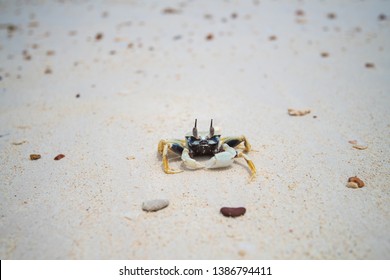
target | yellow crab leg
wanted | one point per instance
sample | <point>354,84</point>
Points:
<point>250,163</point>
<point>163,147</point>
<point>235,141</point>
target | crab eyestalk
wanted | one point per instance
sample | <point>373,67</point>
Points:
<point>195,130</point>
<point>211,129</point>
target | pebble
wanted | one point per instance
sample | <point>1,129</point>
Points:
<point>35,156</point>
<point>357,181</point>
<point>233,211</point>
<point>58,157</point>
<point>154,205</point>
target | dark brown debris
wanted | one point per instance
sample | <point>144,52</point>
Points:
<point>233,211</point>
<point>58,157</point>
<point>299,13</point>
<point>382,17</point>
<point>98,36</point>
<point>170,11</point>
<point>209,37</point>
<point>324,54</point>
<point>272,38</point>
<point>48,70</point>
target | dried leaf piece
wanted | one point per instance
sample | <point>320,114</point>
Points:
<point>294,112</point>
<point>360,147</point>
<point>35,156</point>
<point>358,144</point>
<point>19,143</point>
<point>357,181</point>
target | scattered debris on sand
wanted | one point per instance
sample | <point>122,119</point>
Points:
<point>19,143</point>
<point>355,182</point>
<point>294,112</point>
<point>359,145</point>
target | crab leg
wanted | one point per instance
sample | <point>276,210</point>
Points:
<point>235,141</point>
<point>189,162</point>
<point>250,163</point>
<point>163,148</point>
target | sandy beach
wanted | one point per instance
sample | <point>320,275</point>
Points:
<point>102,82</point>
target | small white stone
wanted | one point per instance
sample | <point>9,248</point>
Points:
<point>155,204</point>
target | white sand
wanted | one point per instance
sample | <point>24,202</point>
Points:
<point>88,205</point>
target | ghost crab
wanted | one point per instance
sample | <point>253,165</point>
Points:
<point>205,144</point>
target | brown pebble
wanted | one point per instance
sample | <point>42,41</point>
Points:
<point>170,11</point>
<point>11,28</point>
<point>331,16</point>
<point>58,157</point>
<point>382,17</point>
<point>324,54</point>
<point>99,36</point>
<point>233,211</point>
<point>356,180</point>
<point>272,38</point>
<point>35,156</point>
<point>209,37</point>
<point>48,70</point>
<point>300,13</point>
<point>370,65</point>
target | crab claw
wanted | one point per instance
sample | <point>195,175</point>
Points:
<point>222,159</point>
<point>189,162</point>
